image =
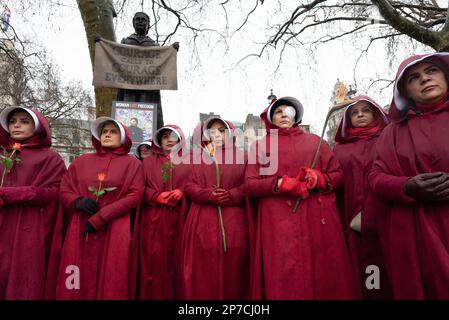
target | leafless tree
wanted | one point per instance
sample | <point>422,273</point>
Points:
<point>290,24</point>
<point>423,20</point>
<point>36,82</point>
<point>308,24</point>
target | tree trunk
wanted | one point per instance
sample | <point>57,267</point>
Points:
<point>97,16</point>
<point>443,41</point>
<point>438,40</point>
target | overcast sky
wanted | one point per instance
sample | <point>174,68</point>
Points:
<point>209,82</point>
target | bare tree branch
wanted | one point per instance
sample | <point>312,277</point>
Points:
<point>37,83</point>
<point>405,26</point>
<point>247,17</point>
<point>178,16</point>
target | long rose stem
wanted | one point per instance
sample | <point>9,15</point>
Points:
<point>3,177</point>
<point>170,176</point>
<point>315,158</point>
<point>99,188</point>
<point>223,234</point>
<point>4,170</point>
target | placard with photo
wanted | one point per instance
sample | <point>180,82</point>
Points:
<point>139,117</point>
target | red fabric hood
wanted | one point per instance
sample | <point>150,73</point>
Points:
<point>270,126</point>
<point>123,149</point>
<point>345,122</point>
<point>400,103</point>
<point>156,147</point>
<point>197,135</point>
<point>39,139</point>
<point>295,103</point>
<point>228,124</point>
<point>148,142</point>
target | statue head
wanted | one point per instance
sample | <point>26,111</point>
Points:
<point>141,23</point>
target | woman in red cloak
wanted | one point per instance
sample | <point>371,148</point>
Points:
<point>28,203</point>
<point>357,134</point>
<point>161,220</point>
<point>99,192</point>
<point>143,149</point>
<point>216,243</point>
<point>301,255</point>
<point>411,181</point>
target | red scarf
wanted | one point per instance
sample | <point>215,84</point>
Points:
<point>372,130</point>
<point>436,106</point>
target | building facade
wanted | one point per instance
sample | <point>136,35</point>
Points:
<point>71,138</point>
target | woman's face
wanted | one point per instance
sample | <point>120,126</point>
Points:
<point>217,133</point>
<point>21,126</point>
<point>110,135</point>
<point>425,83</point>
<point>281,118</point>
<point>169,139</point>
<point>361,114</point>
<point>144,151</point>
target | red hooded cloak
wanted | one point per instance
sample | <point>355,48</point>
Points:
<point>414,235</point>
<point>103,259</point>
<point>356,154</point>
<point>29,214</point>
<point>148,142</point>
<point>160,227</point>
<point>209,272</point>
<point>300,255</point>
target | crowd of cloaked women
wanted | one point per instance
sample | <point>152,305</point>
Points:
<point>368,219</point>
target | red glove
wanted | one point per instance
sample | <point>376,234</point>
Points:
<point>163,198</point>
<point>293,187</point>
<point>302,190</point>
<point>174,197</point>
<point>313,178</point>
<point>97,221</point>
<point>219,196</point>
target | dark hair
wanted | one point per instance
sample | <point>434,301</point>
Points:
<point>161,133</point>
<point>11,113</point>
<point>134,118</point>
<point>144,145</point>
<point>216,120</point>
<point>159,136</point>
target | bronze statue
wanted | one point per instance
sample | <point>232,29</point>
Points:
<point>141,23</point>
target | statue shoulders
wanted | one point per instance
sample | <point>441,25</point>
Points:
<point>136,40</point>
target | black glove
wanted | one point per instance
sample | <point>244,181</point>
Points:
<point>428,186</point>
<point>87,205</point>
<point>90,228</point>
